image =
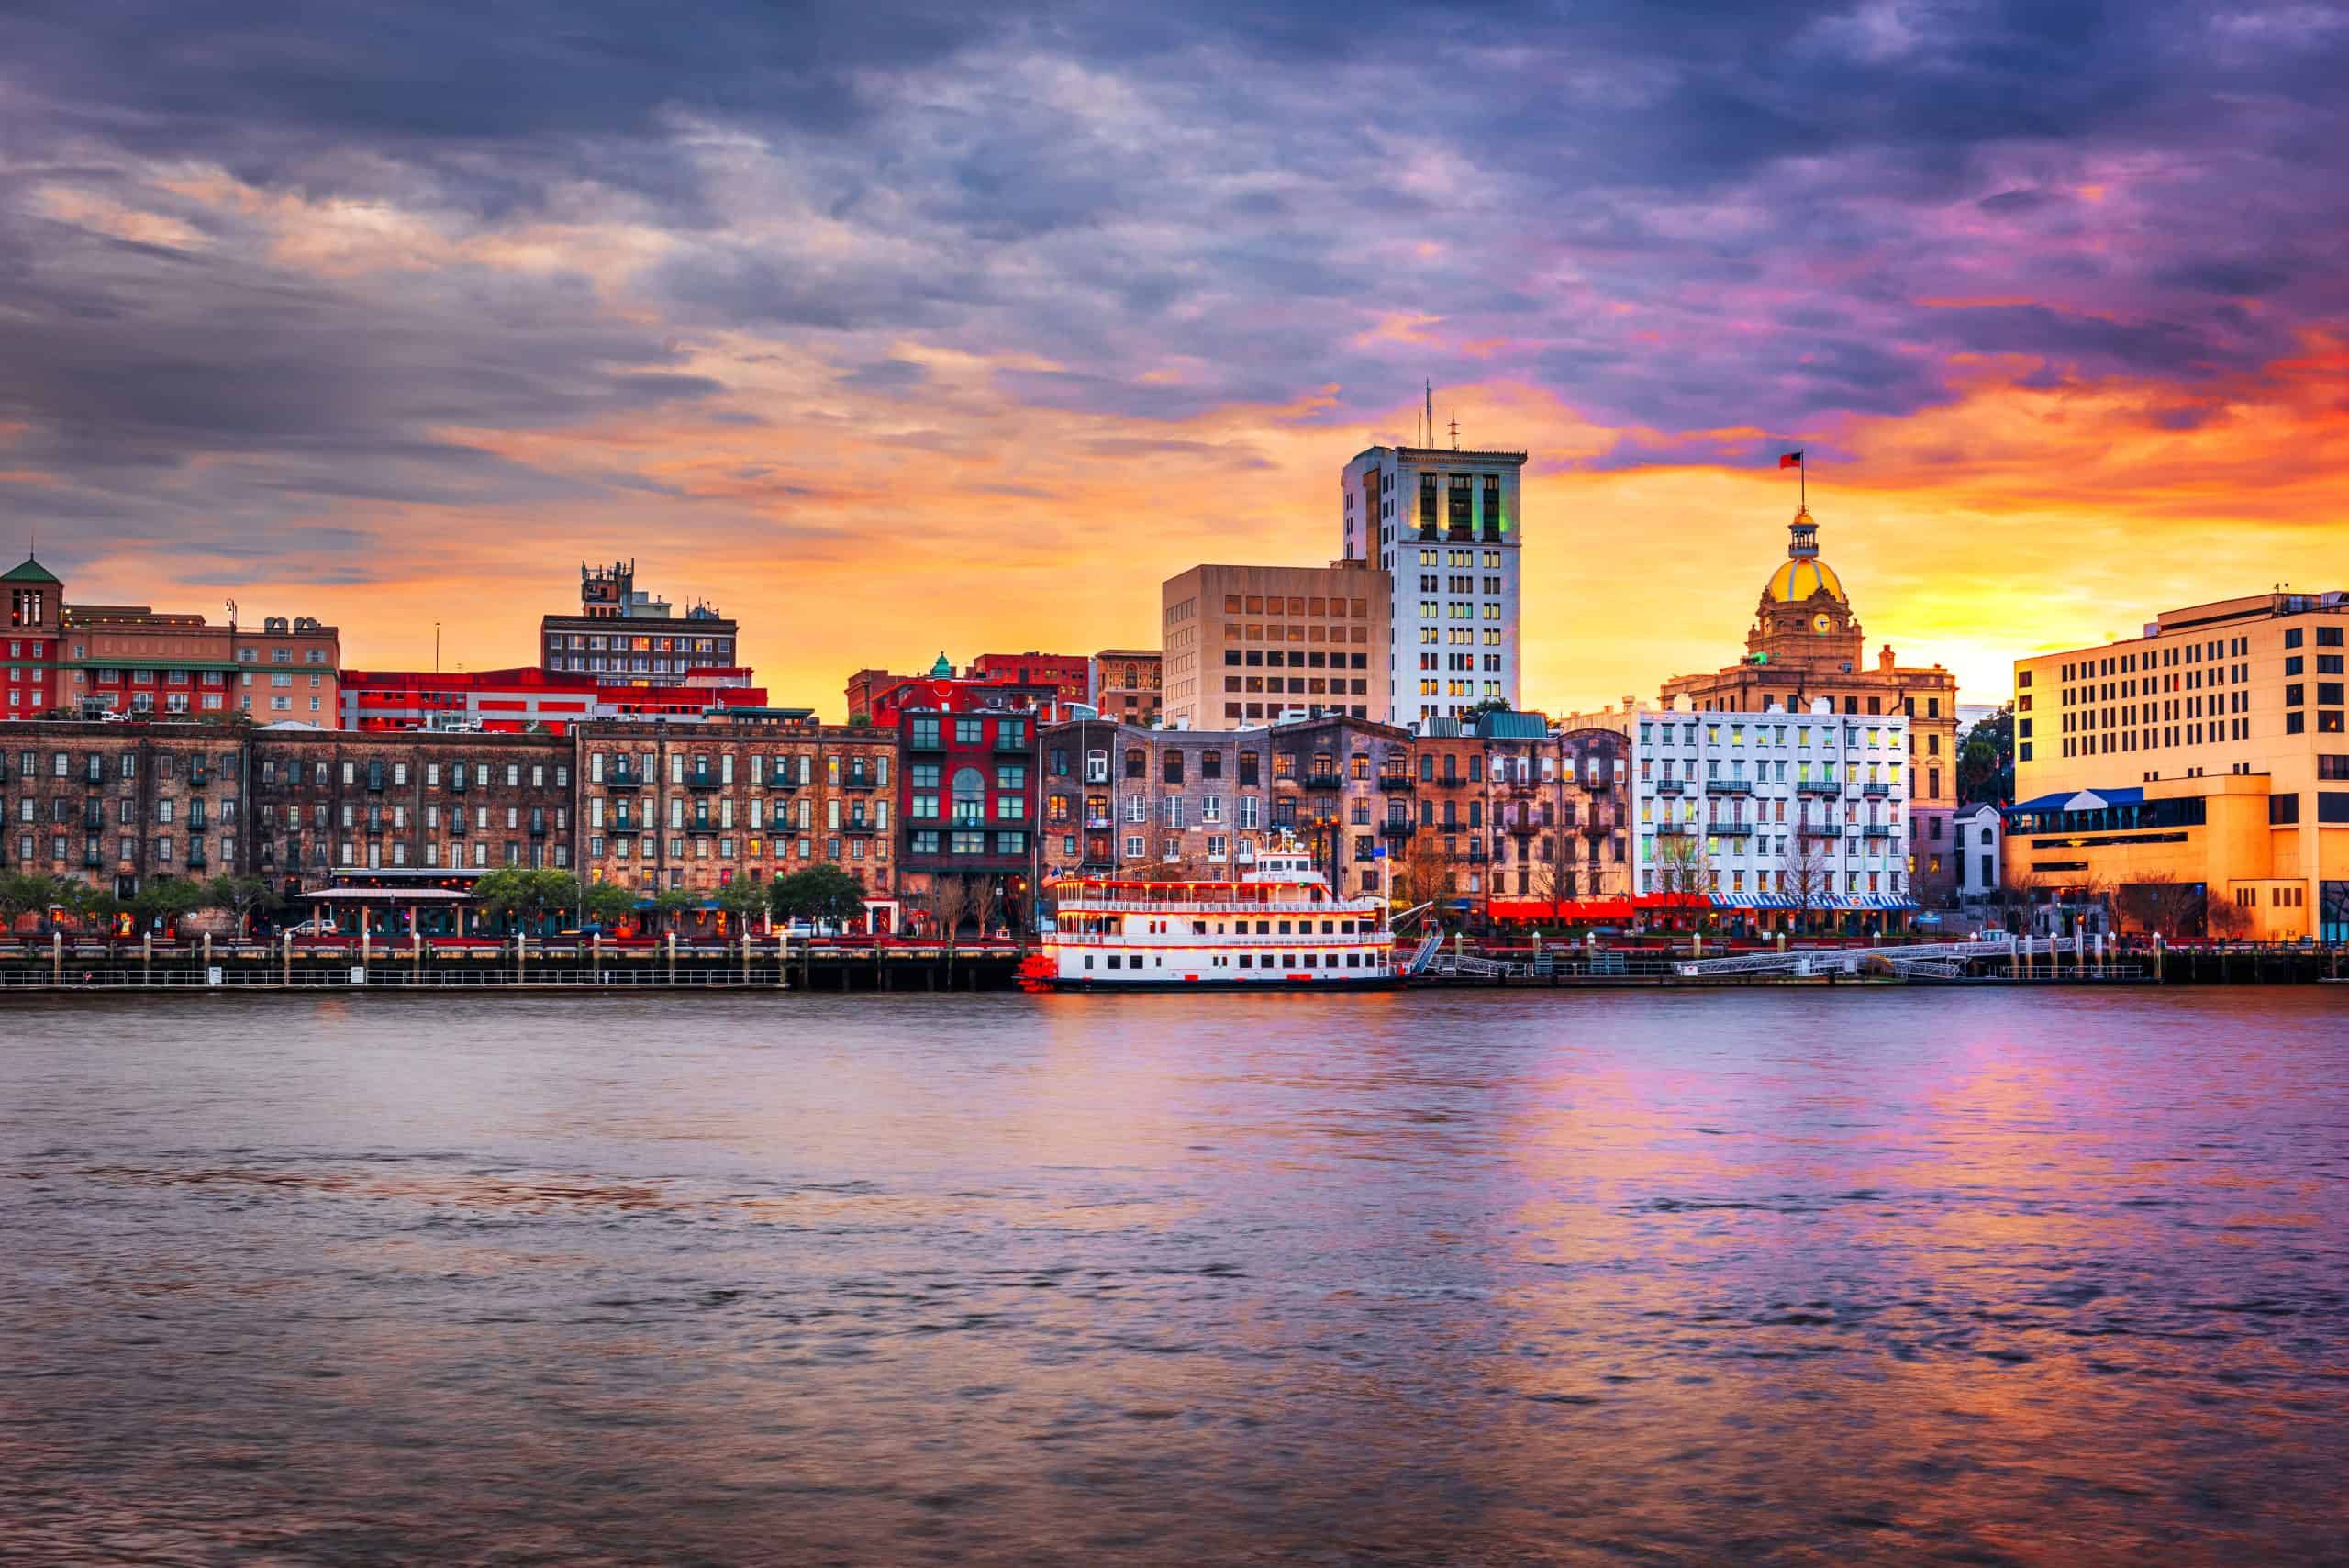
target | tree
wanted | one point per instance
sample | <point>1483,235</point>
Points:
<point>169,899</point>
<point>2228,920</point>
<point>607,903</point>
<point>670,903</point>
<point>1423,873</point>
<point>949,901</point>
<point>1985,761</point>
<point>1806,875</point>
<point>525,895</point>
<point>1680,865</point>
<point>821,894</point>
<point>743,898</point>
<point>25,892</point>
<point>2160,903</point>
<point>985,904</point>
<point>241,896</point>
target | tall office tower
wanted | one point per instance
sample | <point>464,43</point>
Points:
<point>1445,525</point>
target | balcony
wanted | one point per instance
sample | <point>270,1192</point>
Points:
<point>1523,827</point>
<point>1097,824</point>
<point>1397,827</point>
<point>457,827</point>
<point>1818,786</point>
<point>196,858</point>
<point>374,779</point>
<point>1877,830</point>
<point>92,859</point>
<point>1729,786</point>
<point>1450,781</point>
<point>619,778</point>
<point>198,777</point>
<point>1478,855</point>
<point>1394,782</point>
<point>702,778</point>
<point>1323,781</point>
<point>860,780</point>
<point>1731,830</point>
<point>786,780</point>
<point>1669,786</point>
<point>94,816</point>
<point>1878,790</point>
<point>1820,829</point>
<point>539,828</point>
<point>859,827</point>
<point>1676,830</point>
<point>196,821</point>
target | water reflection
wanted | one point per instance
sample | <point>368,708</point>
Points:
<point>1771,1277</point>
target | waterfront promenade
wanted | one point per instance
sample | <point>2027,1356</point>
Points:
<point>63,961</point>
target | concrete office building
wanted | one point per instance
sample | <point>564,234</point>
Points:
<point>1444,527</point>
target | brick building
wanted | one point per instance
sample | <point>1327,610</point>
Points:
<point>1124,685</point>
<point>624,635</point>
<point>427,809</point>
<point>1069,675</point>
<point>1204,804</point>
<point>968,801</point>
<point>1558,816</point>
<point>116,805</point>
<point>694,806</point>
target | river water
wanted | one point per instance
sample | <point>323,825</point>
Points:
<point>1775,1277</point>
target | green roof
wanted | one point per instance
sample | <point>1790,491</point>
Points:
<point>31,571</point>
<point>940,671</point>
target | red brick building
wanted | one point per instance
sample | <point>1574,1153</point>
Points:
<point>513,701</point>
<point>1069,675</point>
<point>967,800</point>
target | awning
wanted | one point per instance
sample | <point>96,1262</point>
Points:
<point>2081,800</point>
<point>389,896</point>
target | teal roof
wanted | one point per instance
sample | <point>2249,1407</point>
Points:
<point>1513,726</point>
<point>942,671</point>
<point>31,571</point>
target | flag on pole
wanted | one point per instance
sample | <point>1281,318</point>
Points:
<point>1790,460</point>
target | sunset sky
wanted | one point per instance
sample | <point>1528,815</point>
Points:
<point>894,328</point>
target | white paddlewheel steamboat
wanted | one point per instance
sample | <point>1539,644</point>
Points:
<point>1277,926</point>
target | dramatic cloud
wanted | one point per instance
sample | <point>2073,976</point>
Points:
<point>821,311</point>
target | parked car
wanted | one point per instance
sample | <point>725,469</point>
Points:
<point>315,927</point>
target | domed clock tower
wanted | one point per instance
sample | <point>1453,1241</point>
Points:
<point>1804,618</point>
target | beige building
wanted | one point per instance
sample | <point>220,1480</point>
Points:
<point>1251,644</point>
<point>2198,774</point>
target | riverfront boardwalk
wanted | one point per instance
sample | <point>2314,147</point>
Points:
<point>63,961</point>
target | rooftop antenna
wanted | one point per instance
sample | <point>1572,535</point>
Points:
<point>1455,430</point>
<point>1426,418</point>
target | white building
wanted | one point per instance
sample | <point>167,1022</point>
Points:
<point>1445,527</point>
<point>1771,811</point>
<point>1981,832</point>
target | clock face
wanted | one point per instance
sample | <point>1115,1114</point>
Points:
<point>1819,623</point>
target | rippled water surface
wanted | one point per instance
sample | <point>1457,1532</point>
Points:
<point>1787,1277</point>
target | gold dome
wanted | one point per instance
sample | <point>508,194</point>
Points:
<point>1796,581</point>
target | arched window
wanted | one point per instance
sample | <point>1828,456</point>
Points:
<point>1134,676</point>
<point>970,796</point>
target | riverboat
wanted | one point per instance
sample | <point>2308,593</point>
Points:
<point>1278,926</point>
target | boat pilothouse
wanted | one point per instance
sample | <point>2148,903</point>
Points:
<point>1279,925</point>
